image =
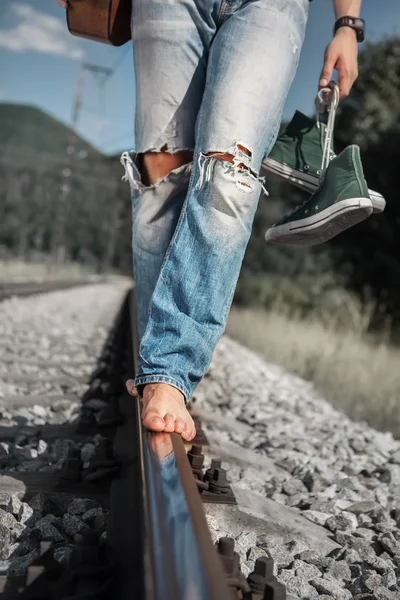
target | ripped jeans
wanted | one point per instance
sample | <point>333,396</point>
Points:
<point>211,76</point>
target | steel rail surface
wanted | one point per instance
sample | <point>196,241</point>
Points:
<point>30,288</point>
<point>180,560</point>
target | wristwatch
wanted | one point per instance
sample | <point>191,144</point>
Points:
<point>355,23</point>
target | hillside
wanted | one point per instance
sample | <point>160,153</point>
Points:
<point>27,129</point>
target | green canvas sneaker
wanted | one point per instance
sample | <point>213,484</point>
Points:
<point>297,156</point>
<point>342,200</point>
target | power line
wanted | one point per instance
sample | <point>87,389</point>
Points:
<point>120,59</point>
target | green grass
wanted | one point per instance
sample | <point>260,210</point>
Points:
<point>18,270</point>
<point>356,373</point>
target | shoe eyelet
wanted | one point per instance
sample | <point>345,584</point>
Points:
<point>319,172</point>
<point>316,208</point>
<point>306,167</point>
<point>306,211</point>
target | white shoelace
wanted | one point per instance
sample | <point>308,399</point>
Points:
<point>329,97</point>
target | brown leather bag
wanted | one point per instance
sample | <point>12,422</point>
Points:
<point>107,21</point>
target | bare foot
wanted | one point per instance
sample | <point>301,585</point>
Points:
<point>164,410</point>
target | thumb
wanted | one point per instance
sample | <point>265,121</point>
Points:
<point>326,73</point>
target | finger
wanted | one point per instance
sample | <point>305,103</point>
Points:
<point>63,3</point>
<point>326,73</point>
<point>346,80</point>
<point>169,423</point>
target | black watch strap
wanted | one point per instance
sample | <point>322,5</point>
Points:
<point>355,23</point>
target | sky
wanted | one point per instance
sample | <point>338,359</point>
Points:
<point>40,64</point>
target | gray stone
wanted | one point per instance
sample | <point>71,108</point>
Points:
<point>79,506</point>
<point>340,570</point>
<point>381,497</point>
<point>381,593</point>
<point>14,505</point>
<point>315,516</point>
<point>297,500</point>
<point>313,558</point>
<point>40,503</point>
<point>296,585</point>
<point>379,564</point>
<point>345,521</point>
<point>243,542</point>
<point>42,447</point>
<point>330,588</point>
<point>389,543</point>
<point>7,519</point>
<point>305,571</point>
<point>17,530</point>
<point>364,520</point>
<point>351,556</point>
<point>39,410</point>
<point>366,534</point>
<point>280,554</point>
<point>72,524</point>
<point>19,565</point>
<point>364,507</point>
<point>25,512</point>
<point>371,580</point>
<point>62,554</point>
<point>389,579</point>
<point>48,532</point>
<point>51,520</point>
<point>293,486</point>
<point>5,541</point>
<point>92,513</point>
<point>101,522</point>
<point>296,547</point>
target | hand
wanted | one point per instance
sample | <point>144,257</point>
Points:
<point>63,3</point>
<point>341,54</point>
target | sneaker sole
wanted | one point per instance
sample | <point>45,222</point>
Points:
<point>323,226</point>
<point>310,182</point>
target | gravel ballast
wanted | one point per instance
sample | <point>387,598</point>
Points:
<point>318,492</point>
<point>50,345</point>
<point>290,455</point>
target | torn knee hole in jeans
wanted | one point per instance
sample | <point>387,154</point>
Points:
<point>238,163</point>
<point>133,165</point>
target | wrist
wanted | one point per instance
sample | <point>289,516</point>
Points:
<point>346,32</point>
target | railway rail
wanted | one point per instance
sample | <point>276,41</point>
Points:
<point>157,545</point>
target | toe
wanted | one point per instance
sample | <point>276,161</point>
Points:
<point>169,423</point>
<point>179,425</point>
<point>186,433</point>
<point>130,386</point>
<point>153,421</point>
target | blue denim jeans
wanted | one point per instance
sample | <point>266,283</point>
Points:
<point>211,76</point>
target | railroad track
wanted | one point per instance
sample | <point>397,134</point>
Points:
<point>155,544</point>
<point>9,289</point>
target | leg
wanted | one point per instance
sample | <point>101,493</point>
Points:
<point>170,69</point>
<point>235,128</point>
